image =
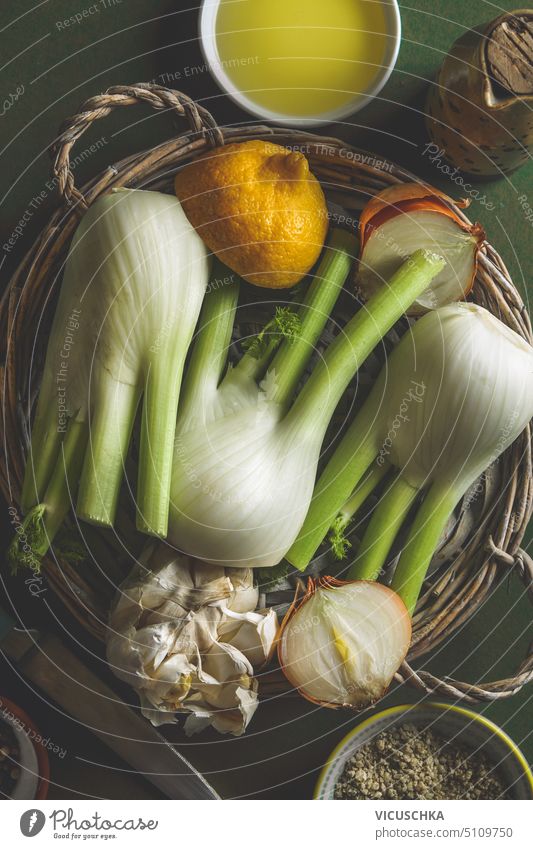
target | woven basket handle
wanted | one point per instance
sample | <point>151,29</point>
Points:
<point>487,691</point>
<point>158,97</point>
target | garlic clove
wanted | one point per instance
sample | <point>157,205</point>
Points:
<point>196,659</point>
<point>253,634</point>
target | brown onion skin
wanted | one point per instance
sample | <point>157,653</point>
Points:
<point>393,197</point>
<point>415,197</point>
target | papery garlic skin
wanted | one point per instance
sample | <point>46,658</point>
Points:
<point>469,379</point>
<point>186,636</point>
<point>343,644</point>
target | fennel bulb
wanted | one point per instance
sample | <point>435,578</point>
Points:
<point>473,385</point>
<point>246,453</point>
<point>134,282</point>
<point>239,486</point>
<point>187,636</point>
<point>454,394</point>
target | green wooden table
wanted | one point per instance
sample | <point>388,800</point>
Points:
<point>54,67</point>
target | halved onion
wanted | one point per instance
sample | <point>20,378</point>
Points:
<point>341,644</point>
<point>403,218</point>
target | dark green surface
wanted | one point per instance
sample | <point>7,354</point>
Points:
<point>137,40</point>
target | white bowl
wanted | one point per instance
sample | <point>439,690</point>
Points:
<point>207,27</point>
<point>452,722</point>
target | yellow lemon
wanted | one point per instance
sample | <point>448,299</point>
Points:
<point>259,208</point>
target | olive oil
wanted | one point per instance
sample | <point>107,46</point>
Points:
<point>301,57</point>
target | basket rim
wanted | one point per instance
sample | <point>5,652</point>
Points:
<point>503,551</point>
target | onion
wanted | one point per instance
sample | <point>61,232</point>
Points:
<point>341,644</point>
<point>403,218</point>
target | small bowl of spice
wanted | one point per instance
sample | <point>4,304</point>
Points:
<point>24,766</point>
<point>426,751</point>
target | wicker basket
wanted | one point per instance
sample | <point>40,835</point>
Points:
<point>486,549</point>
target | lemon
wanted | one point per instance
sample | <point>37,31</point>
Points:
<point>259,208</point>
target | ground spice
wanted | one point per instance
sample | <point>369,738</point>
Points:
<point>9,757</point>
<point>411,763</point>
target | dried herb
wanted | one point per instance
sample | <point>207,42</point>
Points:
<point>409,763</point>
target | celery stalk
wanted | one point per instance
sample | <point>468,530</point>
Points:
<point>109,438</point>
<point>158,427</point>
<point>425,532</point>
<point>322,392</point>
<point>211,342</point>
<point>43,453</point>
<point>42,522</point>
<point>290,361</point>
<point>382,529</point>
<point>337,537</point>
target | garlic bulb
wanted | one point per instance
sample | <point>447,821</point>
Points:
<point>341,645</point>
<point>186,636</point>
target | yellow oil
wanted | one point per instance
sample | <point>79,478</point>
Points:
<point>301,57</point>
